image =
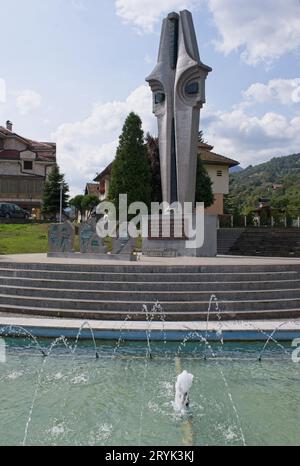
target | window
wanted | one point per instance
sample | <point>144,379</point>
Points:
<point>159,98</point>
<point>219,173</point>
<point>192,88</point>
<point>28,165</point>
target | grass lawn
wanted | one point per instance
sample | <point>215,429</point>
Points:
<point>33,239</point>
<point>25,239</point>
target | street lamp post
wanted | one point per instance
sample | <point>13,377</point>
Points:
<point>61,185</point>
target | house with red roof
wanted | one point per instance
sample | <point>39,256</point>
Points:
<point>218,167</point>
<point>24,167</point>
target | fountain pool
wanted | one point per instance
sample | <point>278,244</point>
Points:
<point>125,398</point>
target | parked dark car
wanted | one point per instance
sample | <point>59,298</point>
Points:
<point>13,211</point>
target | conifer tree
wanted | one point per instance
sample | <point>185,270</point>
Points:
<point>131,171</point>
<point>51,195</point>
<point>204,190</point>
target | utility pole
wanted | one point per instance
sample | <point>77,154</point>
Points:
<point>61,185</point>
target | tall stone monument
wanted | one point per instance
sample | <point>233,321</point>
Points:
<point>178,86</point>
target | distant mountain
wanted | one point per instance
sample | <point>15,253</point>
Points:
<point>277,180</point>
<point>237,169</point>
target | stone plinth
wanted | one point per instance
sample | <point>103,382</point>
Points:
<point>159,245</point>
<point>61,238</point>
<point>90,243</point>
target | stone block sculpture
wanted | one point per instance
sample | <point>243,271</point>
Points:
<point>61,237</point>
<point>178,86</point>
<point>90,242</point>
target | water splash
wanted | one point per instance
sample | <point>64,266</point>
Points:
<point>155,312</point>
<point>199,336</point>
<point>213,300</point>
<point>128,317</point>
<point>182,388</point>
<point>88,325</point>
<point>11,331</point>
<point>271,337</point>
<point>38,383</point>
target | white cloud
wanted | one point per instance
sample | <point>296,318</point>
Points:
<point>284,91</point>
<point>27,100</point>
<point>87,146</point>
<point>251,139</point>
<point>264,30</point>
<point>144,14</point>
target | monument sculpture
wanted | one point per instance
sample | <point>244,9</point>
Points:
<point>61,238</point>
<point>90,242</point>
<point>178,86</point>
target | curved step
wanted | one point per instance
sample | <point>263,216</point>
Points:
<point>140,315</point>
<point>141,268</point>
<point>126,306</point>
<point>207,286</point>
<point>142,296</point>
<point>153,277</point>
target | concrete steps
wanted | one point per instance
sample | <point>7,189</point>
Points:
<point>146,296</point>
<point>141,315</point>
<point>175,274</point>
<point>267,242</point>
<point>108,292</point>
<point>157,286</point>
<point>227,237</point>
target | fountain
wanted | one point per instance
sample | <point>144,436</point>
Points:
<point>182,388</point>
<point>62,408</point>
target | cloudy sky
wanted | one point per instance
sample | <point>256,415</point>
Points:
<point>71,70</point>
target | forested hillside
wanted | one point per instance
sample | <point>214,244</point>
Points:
<point>277,180</point>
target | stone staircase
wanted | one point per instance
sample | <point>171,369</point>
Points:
<point>275,242</point>
<point>227,237</point>
<point>113,292</point>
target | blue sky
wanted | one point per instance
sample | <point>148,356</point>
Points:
<point>71,70</point>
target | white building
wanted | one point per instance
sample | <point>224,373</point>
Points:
<point>24,167</point>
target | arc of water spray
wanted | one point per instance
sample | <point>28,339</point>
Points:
<point>271,337</point>
<point>39,378</point>
<point>150,317</point>
<point>88,325</point>
<point>149,356</point>
<point>193,334</point>
<point>213,299</point>
<point>128,317</point>
<point>22,330</point>
<point>41,371</point>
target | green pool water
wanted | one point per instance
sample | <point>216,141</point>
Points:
<point>123,398</point>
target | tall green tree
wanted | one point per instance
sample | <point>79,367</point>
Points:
<point>51,195</point>
<point>204,185</point>
<point>76,202</point>
<point>88,203</point>
<point>201,137</point>
<point>154,162</point>
<point>131,171</point>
